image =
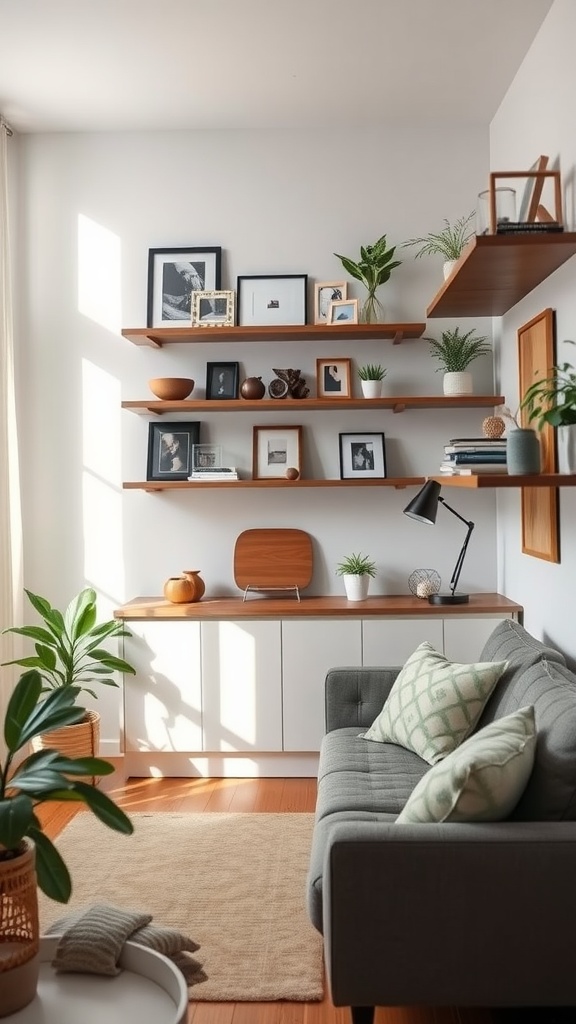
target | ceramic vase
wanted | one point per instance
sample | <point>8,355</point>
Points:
<point>356,586</point>
<point>196,582</point>
<point>178,590</point>
<point>523,452</point>
<point>448,267</point>
<point>457,383</point>
<point>371,388</point>
<point>566,439</point>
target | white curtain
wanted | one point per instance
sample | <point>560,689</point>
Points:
<point>10,513</point>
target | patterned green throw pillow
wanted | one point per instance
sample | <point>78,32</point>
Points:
<point>483,779</point>
<point>434,703</point>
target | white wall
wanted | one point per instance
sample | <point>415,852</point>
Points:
<point>277,202</point>
<point>536,117</point>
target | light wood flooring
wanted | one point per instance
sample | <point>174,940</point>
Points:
<point>265,795</point>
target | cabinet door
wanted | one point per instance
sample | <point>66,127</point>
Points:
<point>241,686</point>
<point>392,641</point>
<point>464,638</point>
<point>162,702</point>
<point>309,649</point>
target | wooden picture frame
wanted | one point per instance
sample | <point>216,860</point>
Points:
<point>213,309</point>
<point>173,276</point>
<point>333,378</point>
<point>343,311</point>
<point>274,450</point>
<point>326,292</point>
<point>170,450</point>
<point>222,381</point>
<point>540,535</point>
<point>531,208</point>
<point>362,456</point>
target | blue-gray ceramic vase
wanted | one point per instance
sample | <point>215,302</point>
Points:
<point>523,452</point>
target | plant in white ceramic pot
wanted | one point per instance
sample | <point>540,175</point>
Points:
<point>372,269</point>
<point>456,352</point>
<point>449,242</point>
<point>371,376</point>
<point>356,571</point>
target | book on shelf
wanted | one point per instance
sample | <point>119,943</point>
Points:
<point>461,449</point>
<point>536,227</point>
<point>486,442</point>
<point>449,469</point>
<point>211,473</point>
<point>470,458</point>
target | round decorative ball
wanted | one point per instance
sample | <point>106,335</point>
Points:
<point>424,582</point>
<point>292,473</point>
<point>493,426</point>
<point>253,388</point>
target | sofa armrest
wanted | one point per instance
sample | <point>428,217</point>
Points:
<point>354,696</point>
<point>450,914</point>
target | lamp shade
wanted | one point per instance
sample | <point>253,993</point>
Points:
<point>425,505</point>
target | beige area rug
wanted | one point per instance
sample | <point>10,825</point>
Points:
<point>235,883</point>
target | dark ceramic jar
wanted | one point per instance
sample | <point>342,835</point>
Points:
<point>253,388</point>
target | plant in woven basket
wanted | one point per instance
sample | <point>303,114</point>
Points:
<point>456,351</point>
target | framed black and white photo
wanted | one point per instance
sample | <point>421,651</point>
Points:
<point>326,292</point>
<point>274,450</point>
<point>276,301</point>
<point>222,380</point>
<point>333,378</point>
<point>362,457</point>
<point>173,276</point>
<point>213,309</point>
<point>170,448</point>
<point>343,311</point>
<point>206,456</point>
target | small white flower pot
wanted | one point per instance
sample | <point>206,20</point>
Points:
<point>371,388</point>
<point>356,586</point>
<point>448,268</point>
<point>458,383</point>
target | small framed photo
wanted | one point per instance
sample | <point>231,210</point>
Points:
<point>274,450</point>
<point>326,292</point>
<point>170,447</point>
<point>362,457</point>
<point>276,301</point>
<point>333,377</point>
<point>173,276</point>
<point>222,380</point>
<point>206,456</point>
<point>213,309</point>
<point>343,311</point>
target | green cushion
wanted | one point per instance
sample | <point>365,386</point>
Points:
<point>434,703</point>
<point>483,779</point>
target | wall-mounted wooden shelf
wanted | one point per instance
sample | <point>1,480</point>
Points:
<point>496,271</point>
<point>504,480</point>
<point>397,403</point>
<point>157,337</point>
<point>202,485</point>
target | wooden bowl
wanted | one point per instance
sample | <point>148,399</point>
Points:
<point>171,389</point>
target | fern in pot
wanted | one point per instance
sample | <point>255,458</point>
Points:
<point>371,376</point>
<point>356,571</point>
<point>455,352</point>
<point>449,242</point>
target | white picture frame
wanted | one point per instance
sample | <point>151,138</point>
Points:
<point>326,292</point>
<point>343,311</point>
<point>272,300</point>
<point>213,308</point>
<point>274,450</point>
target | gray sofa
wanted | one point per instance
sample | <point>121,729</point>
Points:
<point>465,915</point>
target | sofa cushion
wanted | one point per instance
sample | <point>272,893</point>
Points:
<point>434,703</point>
<point>483,779</point>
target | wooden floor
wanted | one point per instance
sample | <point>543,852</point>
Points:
<point>247,795</point>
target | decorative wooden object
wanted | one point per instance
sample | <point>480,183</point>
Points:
<point>539,505</point>
<point>273,559</point>
<point>539,177</point>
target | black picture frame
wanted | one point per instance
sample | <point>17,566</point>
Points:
<point>362,456</point>
<point>164,464</point>
<point>170,284</point>
<point>272,300</point>
<point>222,381</point>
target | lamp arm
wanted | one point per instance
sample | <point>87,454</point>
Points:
<point>461,556</point>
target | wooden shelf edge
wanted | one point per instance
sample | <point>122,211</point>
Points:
<point>157,337</point>
<point>496,480</point>
<point>183,485</point>
<point>395,403</point>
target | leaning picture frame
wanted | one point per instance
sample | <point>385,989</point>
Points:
<point>333,378</point>
<point>362,456</point>
<point>343,311</point>
<point>222,380</point>
<point>326,292</point>
<point>274,450</point>
<point>213,309</point>
<point>276,300</point>
<point>170,450</point>
<point>173,276</point>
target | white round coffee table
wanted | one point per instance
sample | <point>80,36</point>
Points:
<point>149,990</point>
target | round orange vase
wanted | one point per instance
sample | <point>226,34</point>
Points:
<point>196,582</point>
<point>179,590</point>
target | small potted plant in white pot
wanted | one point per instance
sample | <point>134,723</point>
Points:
<point>356,571</point>
<point>371,377</point>
<point>450,242</point>
<point>455,353</point>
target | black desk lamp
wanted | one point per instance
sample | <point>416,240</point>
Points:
<point>424,508</point>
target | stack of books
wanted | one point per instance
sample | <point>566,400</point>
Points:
<point>464,456</point>
<point>214,473</point>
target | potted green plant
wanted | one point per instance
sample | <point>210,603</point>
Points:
<point>552,400</point>
<point>449,242</point>
<point>28,858</point>
<point>69,653</point>
<point>455,353</point>
<point>373,269</point>
<point>371,376</point>
<point>356,571</point>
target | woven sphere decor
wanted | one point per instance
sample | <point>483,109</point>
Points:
<point>424,582</point>
<point>493,426</point>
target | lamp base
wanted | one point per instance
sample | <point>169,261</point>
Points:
<point>449,598</point>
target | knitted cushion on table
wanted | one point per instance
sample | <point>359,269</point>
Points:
<point>434,703</point>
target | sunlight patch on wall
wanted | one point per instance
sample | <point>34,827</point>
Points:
<point>99,274</point>
<point>238,682</point>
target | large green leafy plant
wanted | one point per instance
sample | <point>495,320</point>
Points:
<point>449,242</point>
<point>456,351</point>
<point>373,269</point>
<point>46,775</point>
<point>68,646</point>
<point>552,399</point>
